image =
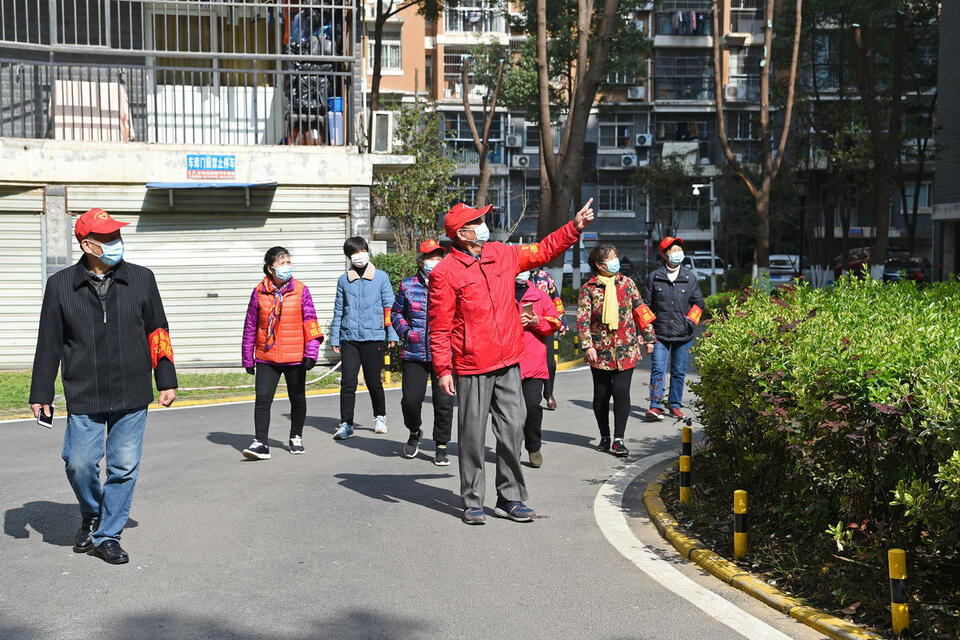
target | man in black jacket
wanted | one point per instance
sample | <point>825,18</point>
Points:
<point>673,294</point>
<point>103,321</point>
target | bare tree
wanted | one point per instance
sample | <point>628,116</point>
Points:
<point>560,172</point>
<point>760,185</point>
<point>920,140</point>
<point>481,142</point>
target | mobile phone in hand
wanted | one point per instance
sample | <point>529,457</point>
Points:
<point>528,308</point>
<point>45,420</point>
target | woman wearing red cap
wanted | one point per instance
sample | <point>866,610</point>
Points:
<point>674,295</point>
<point>409,317</point>
<point>611,319</point>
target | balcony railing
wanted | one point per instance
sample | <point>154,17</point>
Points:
<point>475,19</point>
<point>172,71</point>
<point>680,88</point>
<point>687,22</point>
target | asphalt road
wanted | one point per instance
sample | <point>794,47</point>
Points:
<point>347,541</point>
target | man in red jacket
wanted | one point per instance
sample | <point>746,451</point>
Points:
<point>476,334</point>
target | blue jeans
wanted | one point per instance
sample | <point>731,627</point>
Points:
<point>679,354</point>
<point>83,448</point>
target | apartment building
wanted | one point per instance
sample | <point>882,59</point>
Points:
<point>216,129</point>
<point>946,199</point>
<point>666,108</point>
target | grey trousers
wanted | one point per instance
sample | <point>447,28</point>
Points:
<point>500,394</point>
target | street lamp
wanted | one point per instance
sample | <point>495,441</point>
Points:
<point>713,252</point>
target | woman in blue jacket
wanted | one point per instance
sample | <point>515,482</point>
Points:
<point>361,323</point>
<point>410,320</point>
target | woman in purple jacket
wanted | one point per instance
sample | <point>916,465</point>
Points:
<point>409,316</point>
<point>281,336</point>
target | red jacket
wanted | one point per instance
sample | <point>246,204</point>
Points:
<point>534,363</point>
<point>474,319</point>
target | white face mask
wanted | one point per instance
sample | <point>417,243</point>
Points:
<point>523,277</point>
<point>482,233</point>
<point>360,259</point>
<point>428,266</point>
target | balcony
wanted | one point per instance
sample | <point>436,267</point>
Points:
<point>476,18</point>
<point>178,72</point>
<point>687,22</point>
<point>672,88</point>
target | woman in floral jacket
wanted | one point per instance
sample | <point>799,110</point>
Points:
<point>611,318</point>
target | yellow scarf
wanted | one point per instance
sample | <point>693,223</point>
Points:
<point>611,306</point>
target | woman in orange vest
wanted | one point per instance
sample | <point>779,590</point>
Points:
<point>281,336</point>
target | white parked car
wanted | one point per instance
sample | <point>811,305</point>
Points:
<point>703,264</point>
<point>784,268</point>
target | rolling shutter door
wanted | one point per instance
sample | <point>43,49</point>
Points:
<point>22,261</point>
<point>207,264</point>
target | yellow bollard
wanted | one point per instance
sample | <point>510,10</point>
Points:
<point>739,524</point>
<point>556,351</point>
<point>685,452</point>
<point>386,367</point>
<point>899,611</point>
<point>576,345</point>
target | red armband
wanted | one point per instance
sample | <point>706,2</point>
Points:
<point>387,322</point>
<point>160,346</point>
<point>695,314</point>
<point>643,316</point>
<point>312,331</point>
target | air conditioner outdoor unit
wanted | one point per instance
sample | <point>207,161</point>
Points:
<point>520,160</point>
<point>382,133</point>
<point>734,92</point>
<point>628,162</point>
<point>636,93</point>
<point>644,139</point>
<point>514,141</point>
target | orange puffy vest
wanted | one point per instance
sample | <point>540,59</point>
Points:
<point>290,342</point>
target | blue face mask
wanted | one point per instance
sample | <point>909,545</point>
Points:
<point>676,257</point>
<point>429,265</point>
<point>284,272</point>
<point>112,251</point>
<point>613,266</point>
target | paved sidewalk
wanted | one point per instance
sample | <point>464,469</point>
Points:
<point>347,541</point>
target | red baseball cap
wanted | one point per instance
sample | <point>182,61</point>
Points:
<point>459,215</point>
<point>96,221</point>
<point>669,241</point>
<point>429,246</point>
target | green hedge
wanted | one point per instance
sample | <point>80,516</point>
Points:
<point>839,408</point>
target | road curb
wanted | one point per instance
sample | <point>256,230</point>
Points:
<point>562,366</point>
<point>692,549</point>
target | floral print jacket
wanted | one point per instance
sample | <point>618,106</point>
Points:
<point>618,349</point>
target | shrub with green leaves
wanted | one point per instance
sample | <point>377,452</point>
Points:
<point>843,406</point>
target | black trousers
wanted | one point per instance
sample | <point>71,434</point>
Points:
<point>615,384</point>
<point>268,375</point>
<point>353,355</point>
<point>532,395</point>
<point>415,378</point>
<point>551,368</point>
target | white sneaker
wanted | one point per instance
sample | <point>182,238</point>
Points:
<point>379,424</point>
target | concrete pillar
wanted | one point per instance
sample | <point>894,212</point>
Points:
<point>59,229</point>
<point>360,212</point>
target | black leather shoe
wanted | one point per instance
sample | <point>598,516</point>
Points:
<point>604,444</point>
<point>110,551</point>
<point>82,543</point>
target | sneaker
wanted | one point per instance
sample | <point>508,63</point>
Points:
<point>345,431</point>
<point>296,445</point>
<point>618,449</point>
<point>536,459</point>
<point>440,459</point>
<point>474,515</point>
<point>412,448</point>
<point>677,413</point>
<point>257,451</point>
<point>604,444</point>
<point>379,424</point>
<point>654,414</point>
<point>514,510</point>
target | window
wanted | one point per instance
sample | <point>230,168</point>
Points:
<point>923,201</point>
<point>743,125</point>
<point>474,16</point>
<point>466,191</point>
<point>617,132</point>
<point>684,126</point>
<point>459,140</point>
<point>389,48</point>
<point>615,193</point>
<point>684,74</point>
<point>531,136</point>
<point>532,192</point>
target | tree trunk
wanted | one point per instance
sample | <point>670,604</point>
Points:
<point>378,23</point>
<point>481,141</point>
